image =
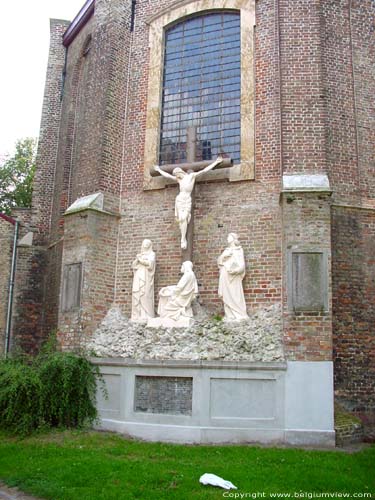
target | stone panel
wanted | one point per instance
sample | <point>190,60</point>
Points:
<point>243,398</point>
<point>71,286</point>
<point>170,395</point>
<point>308,281</point>
<point>109,402</point>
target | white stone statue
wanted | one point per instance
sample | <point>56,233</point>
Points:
<point>175,300</point>
<point>143,284</point>
<point>183,202</point>
<point>232,271</point>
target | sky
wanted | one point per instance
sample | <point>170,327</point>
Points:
<point>24,44</point>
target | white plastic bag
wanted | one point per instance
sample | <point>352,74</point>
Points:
<point>214,480</point>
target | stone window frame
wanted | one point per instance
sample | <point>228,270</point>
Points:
<point>158,24</point>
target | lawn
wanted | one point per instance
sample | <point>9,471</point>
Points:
<point>82,465</point>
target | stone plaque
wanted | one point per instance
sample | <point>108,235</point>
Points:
<point>108,403</point>
<point>71,287</point>
<point>243,398</point>
<point>169,395</point>
<point>309,281</point>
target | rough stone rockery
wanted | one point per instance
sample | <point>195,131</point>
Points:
<point>258,338</point>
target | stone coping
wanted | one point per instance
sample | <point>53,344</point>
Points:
<point>306,182</point>
<point>215,364</point>
<point>92,209</point>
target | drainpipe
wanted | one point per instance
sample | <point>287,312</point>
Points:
<point>132,17</point>
<point>11,289</point>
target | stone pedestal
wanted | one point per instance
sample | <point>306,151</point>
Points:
<point>183,322</point>
<point>218,401</point>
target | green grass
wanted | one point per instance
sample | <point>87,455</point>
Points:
<point>82,465</point>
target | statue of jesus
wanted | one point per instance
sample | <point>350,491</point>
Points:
<point>183,202</point>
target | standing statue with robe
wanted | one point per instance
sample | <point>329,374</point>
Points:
<point>183,203</point>
<point>143,284</point>
<point>232,271</point>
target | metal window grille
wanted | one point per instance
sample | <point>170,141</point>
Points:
<point>201,88</point>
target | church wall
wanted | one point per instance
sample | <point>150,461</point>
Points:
<point>302,95</point>
<point>217,213</point>
<point>28,286</point>
<point>27,330</point>
<point>307,230</point>
<point>44,183</point>
<point>350,86</point>
<point>314,82</point>
<point>250,208</point>
<point>353,308</point>
<point>339,99</point>
<point>46,263</point>
<point>90,239</point>
<point>67,135</point>
<point>306,216</point>
<point>363,15</point>
<point>90,149</point>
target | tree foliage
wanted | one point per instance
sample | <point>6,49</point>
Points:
<point>16,176</point>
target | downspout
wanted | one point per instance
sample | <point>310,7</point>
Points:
<point>11,289</point>
<point>132,18</point>
<point>63,76</point>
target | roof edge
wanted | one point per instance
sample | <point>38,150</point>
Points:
<point>78,22</point>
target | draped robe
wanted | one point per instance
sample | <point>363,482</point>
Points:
<point>230,285</point>
<point>143,288</point>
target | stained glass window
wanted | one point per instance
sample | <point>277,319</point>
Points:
<point>201,88</point>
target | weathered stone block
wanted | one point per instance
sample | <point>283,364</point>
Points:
<point>71,286</point>
<point>308,281</point>
<point>170,395</point>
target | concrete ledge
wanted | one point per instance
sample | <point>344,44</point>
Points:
<point>192,434</point>
<point>217,435</point>
<point>216,364</point>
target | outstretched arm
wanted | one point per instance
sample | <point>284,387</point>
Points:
<point>209,167</point>
<point>164,174</point>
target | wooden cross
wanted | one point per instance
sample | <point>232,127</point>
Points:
<point>191,148</point>
<point>190,167</point>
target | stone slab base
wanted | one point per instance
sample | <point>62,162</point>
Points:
<point>182,322</point>
<point>218,402</point>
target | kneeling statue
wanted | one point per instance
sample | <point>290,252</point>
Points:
<point>175,301</point>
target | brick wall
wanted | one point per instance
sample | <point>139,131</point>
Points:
<point>362,30</point>
<point>250,208</point>
<point>28,305</point>
<point>339,97</point>
<point>49,130</point>
<point>306,220</point>
<point>353,307</point>
<point>302,95</point>
<point>350,85</point>
<point>90,238</point>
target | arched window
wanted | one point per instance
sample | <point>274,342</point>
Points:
<point>202,88</point>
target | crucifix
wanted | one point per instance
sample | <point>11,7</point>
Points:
<point>185,175</point>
